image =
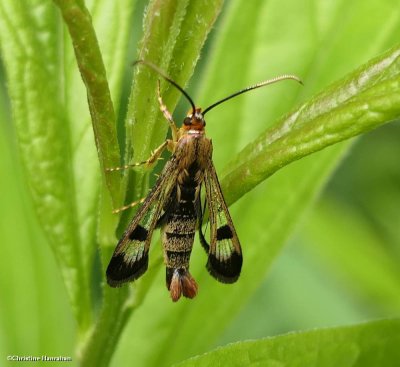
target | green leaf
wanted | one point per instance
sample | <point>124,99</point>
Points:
<point>365,99</point>
<point>371,344</point>
<point>112,22</point>
<point>113,44</point>
<point>354,254</point>
<point>91,66</point>
<point>30,277</point>
<point>29,40</point>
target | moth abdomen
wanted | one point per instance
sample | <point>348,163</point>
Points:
<point>177,248</point>
<point>177,259</point>
<point>178,237</point>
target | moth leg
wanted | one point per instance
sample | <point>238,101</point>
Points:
<point>167,115</point>
<point>154,157</point>
<point>131,205</point>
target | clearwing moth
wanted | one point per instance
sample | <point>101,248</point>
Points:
<point>174,205</point>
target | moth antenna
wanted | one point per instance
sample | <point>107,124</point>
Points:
<point>255,86</point>
<point>168,79</point>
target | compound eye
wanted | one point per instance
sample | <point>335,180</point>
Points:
<point>187,121</point>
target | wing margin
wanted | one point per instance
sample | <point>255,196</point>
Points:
<point>224,251</point>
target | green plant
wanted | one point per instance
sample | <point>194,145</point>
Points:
<point>73,198</point>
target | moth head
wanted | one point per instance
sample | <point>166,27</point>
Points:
<point>194,120</point>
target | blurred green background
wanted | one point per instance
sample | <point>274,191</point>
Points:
<point>340,263</point>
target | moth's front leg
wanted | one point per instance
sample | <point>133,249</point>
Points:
<point>130,205</point>
<point>149,163</point>
<point>167,115</point>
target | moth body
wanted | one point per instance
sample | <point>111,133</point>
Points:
<point>193,153</point>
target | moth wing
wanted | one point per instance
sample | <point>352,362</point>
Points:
<point>130,258</point>
<point>224,251</point>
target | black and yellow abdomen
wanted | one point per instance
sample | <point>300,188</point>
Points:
<point>179,230</point>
